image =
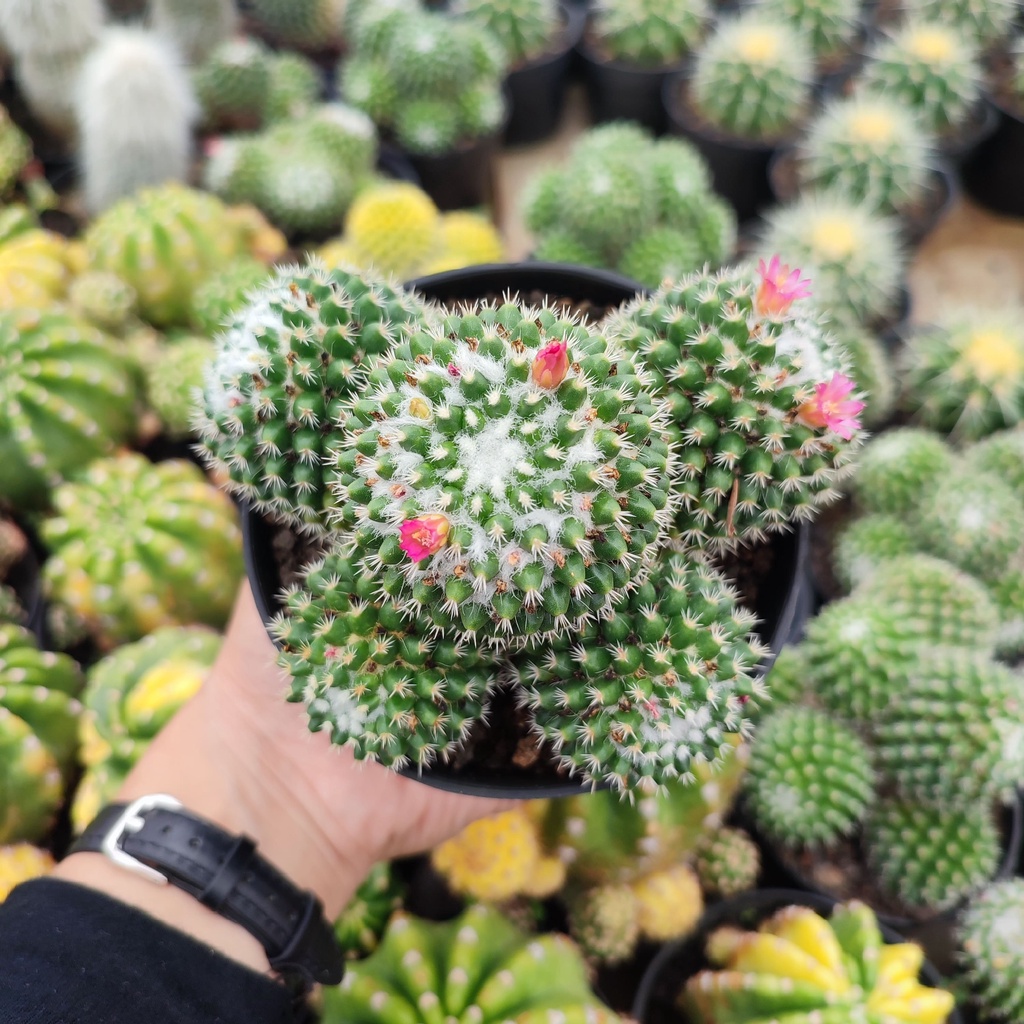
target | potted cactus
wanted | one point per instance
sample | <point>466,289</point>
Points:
<point>747,92</point>
<point>539,37</point>
<point>991,942</point>
<point>833,27</point>
<point>631,47</point>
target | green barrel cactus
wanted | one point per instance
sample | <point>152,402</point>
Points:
<point>965,376</point>
<point>870,149</point>
<point>479,968</point>
<point>137,546</point>
<point>233,83</point>
<point>728,862</point>
<point>281,371</point>
<point>931,68</point>
<point>953,730</point>
<point>66,398</point>
<point>867,544</point>
<point>649,33</point>
<point>173,378</point>
<point>361,924</point>
<point>851,255</point>
<point>897,469</point>
<point>129,696</point>
<point>38,739</point>
<point>605,923</point>
<point>991,936</point>
<point>810,780</point>
<point>753,78</point>
<point>831,26</point>
<point>294,86</point>
<point>225,291</point>
<point>527,28</point>
<point>759,398</point>
<point>1001,454</point>
<point>164,242</point>
<point>799,968</point>
<point>931,857</point>
<point>987,22</point>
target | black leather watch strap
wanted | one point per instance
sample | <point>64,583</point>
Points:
<point>225,873</point>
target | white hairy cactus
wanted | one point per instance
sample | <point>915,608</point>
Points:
<point>135,110</point>
<point>195,26</point>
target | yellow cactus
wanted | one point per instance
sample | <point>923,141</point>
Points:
<point>340,252</point>
<point>547,878</point>
<point>394,227</point>
<point>19,863</point>
<point>33,270</point>
<point>471,238</point>
<point>761,953</point>
<point>172,683</point>
<point>669,903</point>
<point>811,933</point>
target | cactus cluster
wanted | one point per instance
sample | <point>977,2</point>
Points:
<point>628,202</point>
<point>991,936</point>
<point>799,967</point>
<point>753,78</point>
<point>649,33</point>
<point>527,29</point>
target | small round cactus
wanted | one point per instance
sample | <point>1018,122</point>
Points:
<point>753,77</point>
<point>965,376</point>
<point>830,26</point>
<point>896,470</point>
<point>394,227</point>
<point>649,33</point>
<point>810,780</point>
<point>223,292</point>
<point>302,23</point>
<point>35,269</point>
<point>233,83</point>
<point>991,935</point>
<point>137,546</point>
<point>293,86</point>
<point>728,863</point>
<point>870,149</point>
<point>931,857</point>
<point>173,379</point>
<point>21,862</point>
<point>985,21</point>
<point>759,398</point>
<point>604,922</point>
<point>1001,454</point>
<point>867,544</point>
<point>279,374</point>
<point>851,255</point>
<point>661,256</point>
<point>527,28</point>
<point>363,921</point>
<point>668,902</point>
<point>929,67</point>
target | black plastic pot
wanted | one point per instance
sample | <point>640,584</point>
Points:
<point>960,148</point>
<point>536,89</point>
<point>462,178</point>
<point>25,579</point>
<point>993,174</point>
<point>739,167</point>
<point>657,1000</point>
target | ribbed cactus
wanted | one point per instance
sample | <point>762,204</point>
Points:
<point>527,29</point>
<point>233,84</point>
<point>394,227</point>
<point>22,862</point>
<point>752,78</point>
<point>195,27</point>
<point>986,21</point>
<point>479,967</point>
<point>953,730</point>
<point>649,33</point>
<point>867,544</point>
<point>604,921</point>
<point>810,780</point>
<point>896,470</point>
<point>135,110</point>
<point>129,696</point>
<point>359,927</point>
<point>1001,454</point>
<point>728,862</point>
<point>164,242</point>
<point>931,856</point>
<point>137,546</point>
<point>830,26</point>
<point>991,936</point>
<point>65,398</point>
<point>103,299</point>
<point>965,376</point>
<point>931,68</point>
<point>38,712</point>
<point>293,87</point>
<point>281,370</point>
<point>869,148</point>
<point>851,255</point>
<point>801,969</point>
<point>758,394</point>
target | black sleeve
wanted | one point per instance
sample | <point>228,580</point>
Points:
<point>70,955</point>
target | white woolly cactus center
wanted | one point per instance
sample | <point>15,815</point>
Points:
<point>993,355</point>
<point>759,45</point>
<point>872,124</point>
<point>933,44</point>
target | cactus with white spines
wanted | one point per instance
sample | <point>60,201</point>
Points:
<point>66,397</point>
<point>759,398</point>
<point>868,543</point>
<point>194,27</point>
<point>137,546</point>
<point>831,26</point>
<point>282,368</point>
<point>988,22</point>
<point>965,375</point>
<point>753,78</point>
<point>728,862</point>
<point>310,24</point>
<point>929,67</point>
<point>38,713</point>
<point>129,696</point>
<point>991,936</point>
<point>810,779</point>
<point>896,469</point>
<point>233,84</point>
<point>527,28</point>
<point>869,148</point>
<point>135,109</point>
<point>650,33</point>
<point>852,255</point>
<point>293,88</point>
<point>1001,454</point>
<point>931,856</point>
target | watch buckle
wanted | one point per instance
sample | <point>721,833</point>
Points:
<point>130,821</point>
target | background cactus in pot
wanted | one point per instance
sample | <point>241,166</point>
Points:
<point>831,26</point>
<point>527,29</point>
<point>649,33</point>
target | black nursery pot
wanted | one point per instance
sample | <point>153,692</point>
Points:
<point>536,89</point>
<point>462,178</point>
<point>785,594</point>
<point>993,174</point>
<point>657,999</point>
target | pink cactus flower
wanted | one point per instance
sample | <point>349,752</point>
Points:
<point>551,364</point>
<point>424,536</point>
<point>832,407</point>
<point>454,371</point>
<point>780,287</point>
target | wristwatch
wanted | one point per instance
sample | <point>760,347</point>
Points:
<point>155,837</point>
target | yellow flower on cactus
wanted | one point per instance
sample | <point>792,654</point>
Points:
<point>19,863</point>
<point>669,903</point>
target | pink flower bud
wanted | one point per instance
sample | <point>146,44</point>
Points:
<point>424,536</point>
<point>551,364</point>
